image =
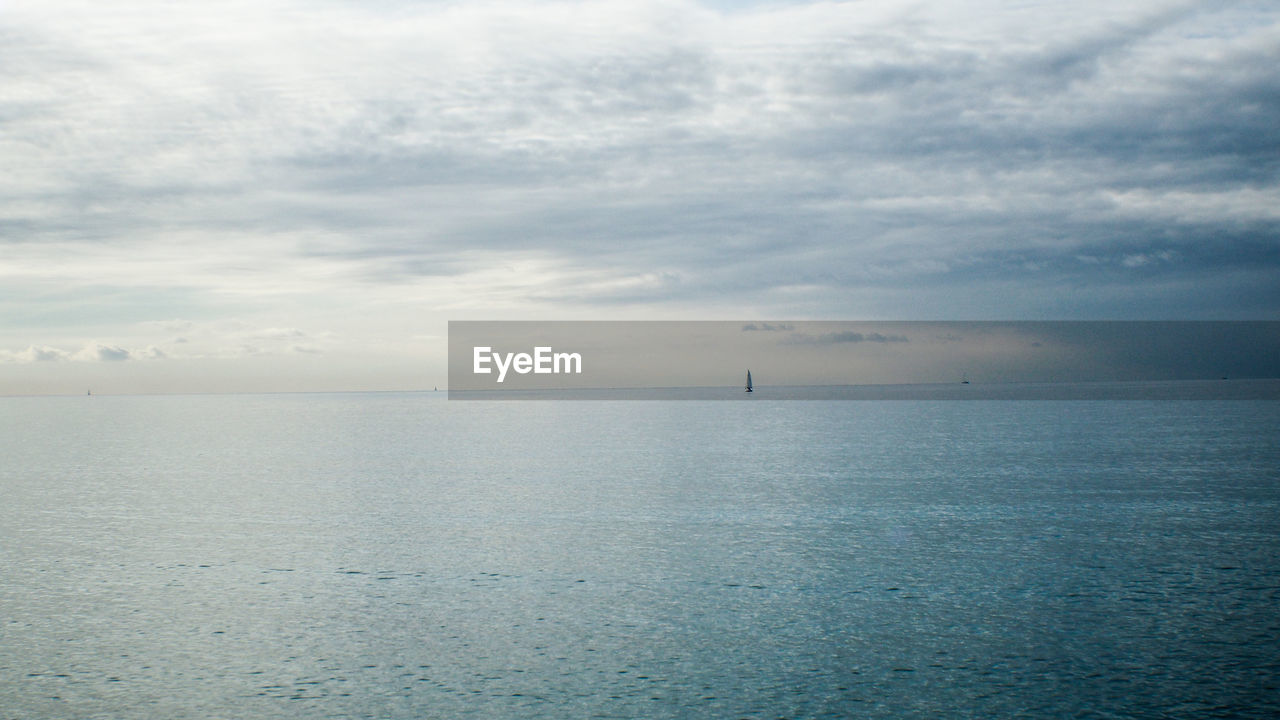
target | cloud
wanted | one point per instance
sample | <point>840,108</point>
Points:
<point>1140,259</point>
<point>91,352</point>
<point>168,326</point>
<point>382,166</point>
<point>276,334</point>
<point>34,353</point>
<point>844,336</point>
<point>102,353</point>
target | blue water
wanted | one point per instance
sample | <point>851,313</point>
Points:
<point>401,556</point>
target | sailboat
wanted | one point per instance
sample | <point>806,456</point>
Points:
<point>748,381</point>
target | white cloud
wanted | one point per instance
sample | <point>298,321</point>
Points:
<point>41,353</point>
<point>1141,259</point>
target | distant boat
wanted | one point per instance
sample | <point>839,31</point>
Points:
<point>88,392</point>
<point>964,379</point>
<point>748,381</point>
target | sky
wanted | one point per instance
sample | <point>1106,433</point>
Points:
<point>281,196</point>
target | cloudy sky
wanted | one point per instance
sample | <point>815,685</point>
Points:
<point>299,196</point>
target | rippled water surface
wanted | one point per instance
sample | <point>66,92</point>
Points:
<point>400,556</point>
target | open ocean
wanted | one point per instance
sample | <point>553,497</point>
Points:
<point>392,555</point>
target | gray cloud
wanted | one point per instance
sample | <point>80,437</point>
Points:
<point>844,336</point>
<point>327,164</point>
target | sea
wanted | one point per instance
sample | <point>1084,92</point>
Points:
<point>405,556</point>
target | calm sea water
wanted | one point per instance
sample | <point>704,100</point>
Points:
<point>400,556</point>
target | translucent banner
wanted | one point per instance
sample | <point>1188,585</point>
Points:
<point>811,360</point>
